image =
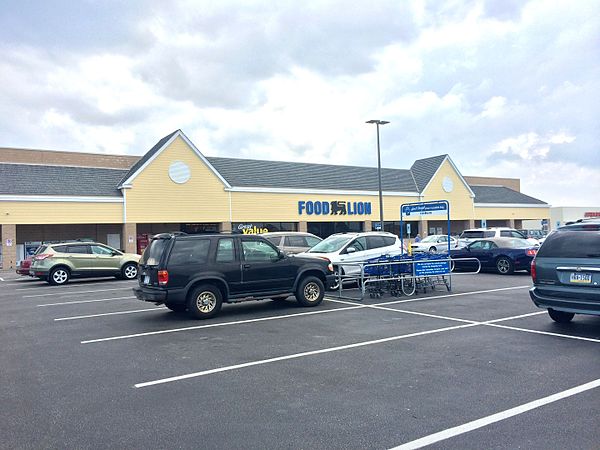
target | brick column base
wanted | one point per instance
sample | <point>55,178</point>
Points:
<point>129,238</point>
<point>303,226</point>
<point>225,227</point>
<point>9,246</point>
<point>367,225</point>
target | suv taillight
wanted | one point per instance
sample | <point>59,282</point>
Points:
<point>533,271</point>
<point>42,257</point>
<point>163,277</point>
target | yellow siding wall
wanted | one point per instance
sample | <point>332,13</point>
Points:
<point>249,206</point>
<point>511,213</point>
<point>60,212</point>
<point>461,203</point>
<point>154,197</point>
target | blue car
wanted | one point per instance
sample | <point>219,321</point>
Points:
<point>502,255</point>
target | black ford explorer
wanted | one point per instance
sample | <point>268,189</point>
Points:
<point>198,273</point>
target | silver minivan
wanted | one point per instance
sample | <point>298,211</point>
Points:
<point>292,242</point>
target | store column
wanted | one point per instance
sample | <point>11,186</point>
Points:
<point>9,246</point>
<point>423,228</point>
<point>303,226</point>
<point>470,224</point>
<point>367,224</point>
<point>511,223</point>
<point>130,237</point>
<point>225,227</point>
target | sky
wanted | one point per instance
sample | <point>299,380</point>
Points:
<point>507,88</point>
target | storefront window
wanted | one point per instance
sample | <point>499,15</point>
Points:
<point>324,229</point>
<point>262,227</point>
<point>199,228</point>
<point>394,228</point>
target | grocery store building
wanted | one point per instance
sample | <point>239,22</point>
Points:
<point>121,200</point>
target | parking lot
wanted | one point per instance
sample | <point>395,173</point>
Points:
<point>86,365</point>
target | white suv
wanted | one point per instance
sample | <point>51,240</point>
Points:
<point>355,247</point>
<point>468,236</point>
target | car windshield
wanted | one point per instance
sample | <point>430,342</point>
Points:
<point>331,244</point>
<point>153,252</point>
<point>432,238</point>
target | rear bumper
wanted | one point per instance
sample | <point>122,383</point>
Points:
<point>578,305</point>
<point>153,295</point>
<point>23,271</point>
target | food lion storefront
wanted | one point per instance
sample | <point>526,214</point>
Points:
<point>123,200</point>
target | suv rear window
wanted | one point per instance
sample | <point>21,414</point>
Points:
<point>571,244</point>
<point>153,252</point>
<point>189,251</point>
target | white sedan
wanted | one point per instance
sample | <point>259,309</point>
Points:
<point>434,243</point>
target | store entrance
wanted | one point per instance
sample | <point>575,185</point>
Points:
<point>324,229</point>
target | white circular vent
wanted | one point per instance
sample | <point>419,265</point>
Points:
<point>447,184</point>
<point>179,172</point>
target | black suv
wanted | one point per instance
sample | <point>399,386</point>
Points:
<point>566,271</point>
<point>198,273</point>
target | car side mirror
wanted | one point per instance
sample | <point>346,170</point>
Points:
<point>350,250</point>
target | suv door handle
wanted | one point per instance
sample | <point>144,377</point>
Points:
<point>247,266</point>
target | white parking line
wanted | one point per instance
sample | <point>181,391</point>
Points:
<point>70,294</point>
<point>297,355</point>
<point>221,324</point>
<point>86,301</point>
<point>547,333</point>
<point>73,285</point>
<point>503,415</point>
<point>175,330</point>
<point>108,314</point>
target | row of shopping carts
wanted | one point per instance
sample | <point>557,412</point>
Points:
<point>396,275</point>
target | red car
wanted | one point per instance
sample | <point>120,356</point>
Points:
<point>23,266</point>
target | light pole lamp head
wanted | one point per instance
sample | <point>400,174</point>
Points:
<point>378,122</point>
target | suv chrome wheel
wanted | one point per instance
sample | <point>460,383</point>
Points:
<point>130,271</point>
<point>59,276</point>
<point>206,301</point>
<point>312,292</point>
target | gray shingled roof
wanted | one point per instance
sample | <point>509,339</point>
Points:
<point>149,154</point>
<point>502,194</point>
<point>279,174</point>
<point>424,169</point>
<point>24,179</point>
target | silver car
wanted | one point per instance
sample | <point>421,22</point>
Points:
<point>292,242</point>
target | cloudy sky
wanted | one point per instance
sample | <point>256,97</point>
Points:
<point>506,87</point>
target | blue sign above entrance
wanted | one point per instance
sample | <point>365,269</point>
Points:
<point>336,207</point>
<point>425,209</point>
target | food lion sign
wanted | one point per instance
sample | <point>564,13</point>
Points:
<point>334,208</point>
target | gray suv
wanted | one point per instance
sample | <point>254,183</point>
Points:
<point>566,272</point>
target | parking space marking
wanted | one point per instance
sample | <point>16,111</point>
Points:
<point>547,333</point>
<point>220,324</point>
<point>298,355</point>
<point>62,294</point>
<point>67,287</point>
<point>503,415</point>
<point>89,316</point>
<point>86,301</point>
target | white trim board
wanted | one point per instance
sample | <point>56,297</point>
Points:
<point>318,191</point>
<point>510,205</point>
<point>59,198</point>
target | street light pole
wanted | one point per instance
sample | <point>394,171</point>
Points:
<point>379,122</point>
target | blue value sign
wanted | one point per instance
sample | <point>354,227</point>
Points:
<point>429,268</point>
<point>425,209</point>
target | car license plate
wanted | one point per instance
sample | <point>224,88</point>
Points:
<point>146,279</point>
<point>581,278</point>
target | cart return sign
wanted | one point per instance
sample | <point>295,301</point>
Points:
<point>428,267</point>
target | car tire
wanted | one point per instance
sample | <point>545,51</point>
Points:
<point>432,250</point>
<point>560,316</point>
<point>176,307</point>
<point>204,301</point>
<point>59,276</point>
<point>504,266</point>
<point>129,271</point>
<point>310,291</point>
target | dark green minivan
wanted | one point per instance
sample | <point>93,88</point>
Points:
<point>566,271</point>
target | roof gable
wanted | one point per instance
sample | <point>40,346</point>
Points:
<point>156,150</point>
